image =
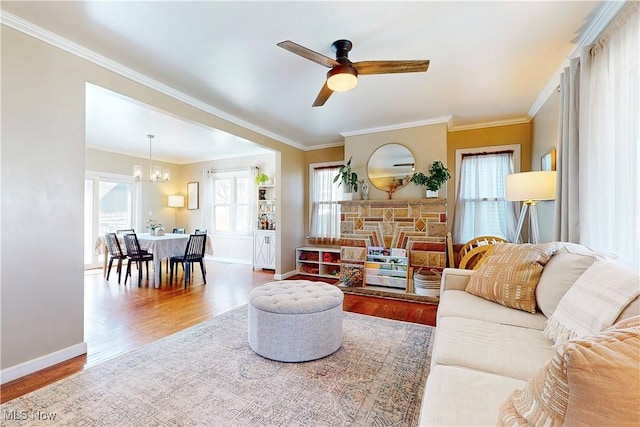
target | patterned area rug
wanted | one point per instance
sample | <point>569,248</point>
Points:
<point>208,375</point>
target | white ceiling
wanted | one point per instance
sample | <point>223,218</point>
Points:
<point>490,62</point>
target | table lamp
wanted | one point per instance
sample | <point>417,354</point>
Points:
<point>176,202</point>
<point>529,188</point>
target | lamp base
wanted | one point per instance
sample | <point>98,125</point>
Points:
<point>534,233</point>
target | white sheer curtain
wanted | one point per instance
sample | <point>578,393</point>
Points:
<point>610,141</point>
<point>207,201</point>
<point>325,211</point>
<point>481,207</point>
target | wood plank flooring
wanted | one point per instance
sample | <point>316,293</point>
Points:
<point>120,318</point>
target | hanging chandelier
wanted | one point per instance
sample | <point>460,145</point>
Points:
<point>156,173</point>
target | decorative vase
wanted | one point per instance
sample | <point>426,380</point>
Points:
<point>152,231</point>
<point>431,194</point>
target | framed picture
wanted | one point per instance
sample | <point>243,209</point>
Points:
<point>193,201</point>
<point>548,161</point>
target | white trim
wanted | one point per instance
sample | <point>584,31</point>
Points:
<point>285,276</point>
<point>604,15</point>
<point>18,371</point>
<point>399,126</point>
<point>53,39</point>
<point>229,260</point>
<point>517,121</point>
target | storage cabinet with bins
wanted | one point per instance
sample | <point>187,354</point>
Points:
<point>264,236</point>
<point>386,269</point>
<point>318,261</point>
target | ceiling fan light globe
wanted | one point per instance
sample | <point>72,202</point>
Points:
<point>342,79</point>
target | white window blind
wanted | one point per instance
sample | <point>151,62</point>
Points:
<point>481,208</point>
<point>325,211</point>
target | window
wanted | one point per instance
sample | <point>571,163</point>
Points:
<point>324,195</point>
<point>231,202</point>
<point>481,208</point>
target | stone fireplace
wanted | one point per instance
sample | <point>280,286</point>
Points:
<point>419,226</point>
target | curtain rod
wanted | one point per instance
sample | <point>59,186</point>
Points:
<point>487,153</point>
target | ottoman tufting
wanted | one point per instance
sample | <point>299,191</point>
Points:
<point>295,320</point>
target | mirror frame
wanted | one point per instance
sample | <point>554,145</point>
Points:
<point>388,180</point>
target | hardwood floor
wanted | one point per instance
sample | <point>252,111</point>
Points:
<point>120,318</point>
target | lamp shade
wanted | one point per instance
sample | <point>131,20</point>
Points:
<point>176,201</point>
<point>342,78</point>
<point>539,185</point>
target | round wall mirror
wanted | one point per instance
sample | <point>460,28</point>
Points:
<point>391,166</point>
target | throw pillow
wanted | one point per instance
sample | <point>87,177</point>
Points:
<point>510,274</point>
<point>588,381</point>
<point>559,274</point>
<point>594,302</point>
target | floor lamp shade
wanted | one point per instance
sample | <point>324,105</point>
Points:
<point>525,186</point>
<point>176,201</point>
<point>529,188</point>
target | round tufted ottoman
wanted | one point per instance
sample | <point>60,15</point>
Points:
<point>295,320</point>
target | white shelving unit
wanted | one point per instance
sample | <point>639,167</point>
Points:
<point>318,261</point>
<point>264,236</point>
<point>386,270</point>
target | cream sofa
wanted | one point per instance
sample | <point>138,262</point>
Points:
<point>483,351</point>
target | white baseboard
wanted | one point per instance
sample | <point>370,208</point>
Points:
<point>229,260</point>
<point>285,276</point>
<point>37,364</point>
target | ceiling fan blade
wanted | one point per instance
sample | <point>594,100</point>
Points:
<point>308,54</point>
<point>388,67</point>
<point>322,97</point>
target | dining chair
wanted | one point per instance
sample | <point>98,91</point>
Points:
<point>178,231</point>
<point>126,231</point>
<point>200,231</point>
<point>135,254</point>
<point>194,252</point>
<point>115,252</point>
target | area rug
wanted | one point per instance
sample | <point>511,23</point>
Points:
<point>208,375</point>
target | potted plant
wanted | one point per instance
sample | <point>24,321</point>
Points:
<point>347,177</point>
<point>153,225</point>
<point>261,178</point>
<point>438,175</point>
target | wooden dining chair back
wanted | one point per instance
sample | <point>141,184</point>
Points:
<point>126,231</point>
<point>115,252</point>
<point>472,255</point>
<point>194,252</point>
<point>137,256</point>
<point>178,231</point>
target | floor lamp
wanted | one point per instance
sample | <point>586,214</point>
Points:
<point>530,188</point>
<point>176,202</point>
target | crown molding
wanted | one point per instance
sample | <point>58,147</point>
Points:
<point>603,16</point>
<point>55,40</point>
<point>517,121</point>
<point>398,126</point>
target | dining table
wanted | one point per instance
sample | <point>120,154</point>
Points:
<point>162,247</point>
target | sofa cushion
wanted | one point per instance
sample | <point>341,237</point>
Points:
<point>510,274</point>
<point>462,397</point>
<point>594,302</point>
<point>593,380</point>
<point>506,350</point>
<point>558,275</point>
<point>464,304</point>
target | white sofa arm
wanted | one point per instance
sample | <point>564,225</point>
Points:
<point>454,279</point>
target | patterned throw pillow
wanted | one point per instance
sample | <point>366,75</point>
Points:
<point>510,274</point>
<point>588,381</point>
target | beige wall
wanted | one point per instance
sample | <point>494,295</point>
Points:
<point>485,137</point>
<point>43,167</point>
<point>427,143</point>
<point>545,137</point>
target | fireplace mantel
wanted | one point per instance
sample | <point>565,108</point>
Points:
<point>395,202</point>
